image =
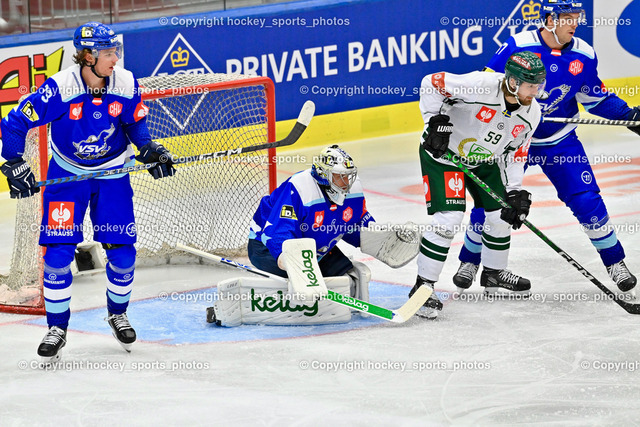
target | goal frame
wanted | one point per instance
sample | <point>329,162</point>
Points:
<point>149,95</point>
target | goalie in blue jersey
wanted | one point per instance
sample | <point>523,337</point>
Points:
<point>309,214</point>
<point>96,113</point>
<point>573,79</point>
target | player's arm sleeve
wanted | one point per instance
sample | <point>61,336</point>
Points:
<point>285,220</point>
<point>597,100</point>
<point>39,108</point>
<point>353,236</point>
<point>134,120</point>
<point>515,162</point>
<point>499,59</point>
<point>437,87</point>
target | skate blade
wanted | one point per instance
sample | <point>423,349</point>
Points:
<point>506,293</point>
<point>211,315</point>
<point>427,313</point>
<point>126,346</point>
<point>45,360</point>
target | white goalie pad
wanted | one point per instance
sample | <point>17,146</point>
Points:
<point>264,301</point>
<point>395,245</point>
<point>360,276</point>
<point>301,263</point>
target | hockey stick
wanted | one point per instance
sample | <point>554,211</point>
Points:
<point>628,307</point>
<point>400,315</point>
<point>306,114</point>
<point>591,121</point>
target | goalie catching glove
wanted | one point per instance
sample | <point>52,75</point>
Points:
<point>396,246</point>
<point>156,153</point>
<point>520,202</point>
<point>22,183</point>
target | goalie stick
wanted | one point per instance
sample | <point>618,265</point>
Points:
<point>618,299</point>
<point>591,121</point>
<point>400,315</point>
<point>305,116</point>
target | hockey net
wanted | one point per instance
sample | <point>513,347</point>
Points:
<point>207,205</point>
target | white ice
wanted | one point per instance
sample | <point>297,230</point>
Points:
<point>559,358</point>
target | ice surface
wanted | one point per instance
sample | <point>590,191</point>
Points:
<point>560,358</point>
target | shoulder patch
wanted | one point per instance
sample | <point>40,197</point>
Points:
<point>29,112</point>
<point>288,212</point>
<point>583,47</point>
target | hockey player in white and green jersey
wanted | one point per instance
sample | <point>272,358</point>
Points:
<point>487,119</point>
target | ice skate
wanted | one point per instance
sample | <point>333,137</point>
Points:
<point>433,305</point>
<point>52,343</point>
<point>623,278</point>
<point>494,281</point>
<point>465,275</point>
<point>122,330</point>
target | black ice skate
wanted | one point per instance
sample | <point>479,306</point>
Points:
<point>433,305</point>
<point>52,343</point>
<point>211,316</point>
<point>620,274</point>
<point>122,330</point>
<point>496,280</point>
<point>465,275</point>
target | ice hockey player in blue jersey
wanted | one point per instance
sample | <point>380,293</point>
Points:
<point>572,79</point>
<point>95,113</point>
<point>325,203</point>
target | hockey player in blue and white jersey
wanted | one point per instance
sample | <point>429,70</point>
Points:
<point>313,210</point>
<point>325,203</point>
<point>572,79</point>
<point>95,113</point>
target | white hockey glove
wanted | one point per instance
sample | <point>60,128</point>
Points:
<point>396,245</point>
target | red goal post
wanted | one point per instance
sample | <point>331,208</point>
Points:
<point>206,204</point>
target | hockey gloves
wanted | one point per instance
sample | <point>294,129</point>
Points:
<point>156,153</point>
<point>22,183</point>
<point>635,116</point>
<point>436,138</point>
<point>519,202</point>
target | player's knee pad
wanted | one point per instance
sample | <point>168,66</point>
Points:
<point>360,276</point>
<point>446,224</point>
<point>589,209</point>
<point>59,255</point>
<point>57,271</point>
<point>122,260</point>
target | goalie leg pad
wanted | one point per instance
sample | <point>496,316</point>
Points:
<point>395,246</point>
<point>267,301</point>
<point>300,261</point>
<point>360,276</point>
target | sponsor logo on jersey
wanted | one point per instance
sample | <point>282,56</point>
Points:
<point>454,185</point>
<point>586,177</point>
<point>478,152</point>
<point>347,214</point>
<point>92,148</point>
<point>427,189</point>
<point>319,219</point>
<point>75,111</point>
<point>115,108</point>
<point>288,212</point>
<point>517,129</point>
<point>29,112</point>
<point>60,215</point>
<point>141,112</point>
<point>486,114</point>
<point>364,207</point>
<point>575,67</point>
<point>437,80</point>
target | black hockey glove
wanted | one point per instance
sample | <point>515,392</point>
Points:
<point>22,183</point>
<point>436,138</point>
<point>520,202</point>
<point>156,153</point>
<point>635,116</point>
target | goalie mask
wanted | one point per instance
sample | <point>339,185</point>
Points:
<point>335,172</point>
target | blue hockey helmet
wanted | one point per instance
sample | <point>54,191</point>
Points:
<point>96,36</point>
<point>556,7</point>
<point>335,172</point>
